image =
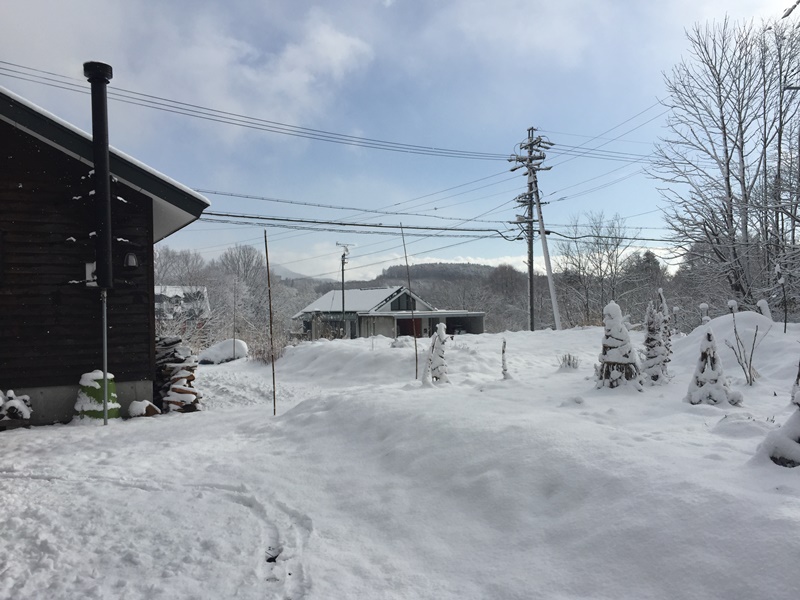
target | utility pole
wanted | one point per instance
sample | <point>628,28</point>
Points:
<point>345,252</point>
<point>533,148</point>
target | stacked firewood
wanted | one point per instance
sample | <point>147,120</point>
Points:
<point>175,374</point>
<point>14,408</point>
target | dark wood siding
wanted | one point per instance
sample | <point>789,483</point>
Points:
<point>50,321</point>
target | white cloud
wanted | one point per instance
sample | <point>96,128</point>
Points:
<point>195,56</point>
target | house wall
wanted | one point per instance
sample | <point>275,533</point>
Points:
<point>470,324</point>
<point>373,325</point>
<point>51,329</point>
<point>56,404</point>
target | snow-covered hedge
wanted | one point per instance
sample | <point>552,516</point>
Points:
<point>224,351</point>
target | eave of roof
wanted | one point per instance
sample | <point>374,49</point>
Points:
<point>419,314</point>
<point>174,204</point>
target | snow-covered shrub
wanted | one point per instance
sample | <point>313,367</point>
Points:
<point>796,389</point>
<point>744,356</point>
<point>568,361</point>
<point>224,351</point>
<point>89,405</point>
<point>15,407</point>
<point>782,446</point>
<point>709,384</point>
<point>402,341</point>
<point>733,306</point>
<point>506,374</point>
<point>618,363</point>
<point>655,353</point>
<point>143,408</point>
<point>437,367</point>
<point>763,307</point>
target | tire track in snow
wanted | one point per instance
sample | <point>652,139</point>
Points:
<point>284,532</point>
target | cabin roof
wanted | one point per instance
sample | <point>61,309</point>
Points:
<point>363,300</point>
<point>174,204</point>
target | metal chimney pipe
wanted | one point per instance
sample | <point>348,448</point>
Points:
<point>99,74</point>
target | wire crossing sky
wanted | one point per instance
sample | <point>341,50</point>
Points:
<point>323,119</point>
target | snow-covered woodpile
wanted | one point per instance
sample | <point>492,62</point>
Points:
<point>175,374</point>
<point>14,408</point>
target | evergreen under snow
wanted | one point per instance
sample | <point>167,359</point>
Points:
<point>709,384</point>
<point>618,363</point>
<point>655,365</point>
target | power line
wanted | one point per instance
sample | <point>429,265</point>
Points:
<point>330,206</point>
<point>301,227</point>
<point>211,114</point>
<point>293,220</point>
<point>55,80</point>
<point>635,158</point>
<point>383,262</point>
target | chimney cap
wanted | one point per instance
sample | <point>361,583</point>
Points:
<point>97,71</point>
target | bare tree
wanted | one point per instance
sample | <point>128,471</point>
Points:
<point>178,267</point>
<point>723,161</point>
<point>592,259</point>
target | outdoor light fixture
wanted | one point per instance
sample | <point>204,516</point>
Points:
<point>131,261</point>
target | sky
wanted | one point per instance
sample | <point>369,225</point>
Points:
<point>463,75</point>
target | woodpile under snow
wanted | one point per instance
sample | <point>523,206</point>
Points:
<point>175,375</point>
<point>14,408</point>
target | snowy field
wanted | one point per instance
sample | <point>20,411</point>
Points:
<point>368,485</point>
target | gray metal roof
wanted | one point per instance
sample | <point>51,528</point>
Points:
<point>357,301</point>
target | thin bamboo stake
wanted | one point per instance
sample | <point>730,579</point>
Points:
<point>271,338</point>
<point>413,322</point>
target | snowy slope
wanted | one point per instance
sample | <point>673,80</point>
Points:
<point>369,485</point>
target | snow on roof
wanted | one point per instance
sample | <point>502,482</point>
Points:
<point>172,291</point>
<point>362,300</point>
<point>169,213</point>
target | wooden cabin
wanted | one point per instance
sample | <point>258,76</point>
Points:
<point>392,312</point>
<point>50,313</point>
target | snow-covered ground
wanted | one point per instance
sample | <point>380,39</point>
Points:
<point>368,485</point>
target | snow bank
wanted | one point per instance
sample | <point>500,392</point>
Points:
<point>369,485</point>
<point>223,352</point>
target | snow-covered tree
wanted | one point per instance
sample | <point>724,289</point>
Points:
<point>655,353</point>
<point>709,384</point>
<point>618,363</point>
<point>666,331</point>
<point>796,389</point>
<point>726,159</point>
<point>437,367</point>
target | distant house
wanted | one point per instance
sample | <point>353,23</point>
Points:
<point>185,302</point>
<point>50,319</point>
<point>390,311</point>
